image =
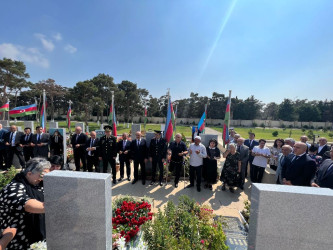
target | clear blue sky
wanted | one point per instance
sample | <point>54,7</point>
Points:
<point>270,49</point>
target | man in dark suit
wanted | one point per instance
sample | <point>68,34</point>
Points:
<point>322,146</point>
<point>324,176</point>
<point>3,154</point>
<point>157,154</point>
<point>298,168</point>
<point>251,143</point>
<point>26,140</point>
<point>108,151</point>
<point>40,143</point>
<point>92,152</point>
<point>124,147</point>
<point>14,146</point>
<point>139,152</point>
<point>78,142</point>
<point>244,157</point>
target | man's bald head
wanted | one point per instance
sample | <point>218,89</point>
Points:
<point>300,148</point>
<point>286,150</point>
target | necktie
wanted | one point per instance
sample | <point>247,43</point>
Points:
<point>138,143</point>
<point>91,143</point>
<point>77,137</point>
<point>26,137</point>
<point>38,137</point>
<point>11,138</point>
<point>238,149</point>
<point>124,144</point>
<point>295,158</point>
<point>56,139</point>
<point>250,143</point>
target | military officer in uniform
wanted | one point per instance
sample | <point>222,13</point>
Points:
<point>108,151</point>
<point>157,154</point>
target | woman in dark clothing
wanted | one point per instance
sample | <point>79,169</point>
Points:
<point>210,163</point>
<point>22,205</point>
<point>232,168</point>
<point>57,147</point>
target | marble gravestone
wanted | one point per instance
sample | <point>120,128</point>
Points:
<point>53,125</point>
<point>149,136</point>
<point>81,124</point>
<point>290,217</point>
<point>206,138</point>
<point>5,123</point>
<point>29,124</point>
<point>135,128</point>
<point>78,210</point>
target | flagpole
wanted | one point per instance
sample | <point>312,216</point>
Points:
<point>68,118</point>
<point>44,110</point>
<point>4,113</point>
<point>230,109</point>
<point>167,167</point>
<point>112,105</point>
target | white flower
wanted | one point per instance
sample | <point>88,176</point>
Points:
<point>40,245</point>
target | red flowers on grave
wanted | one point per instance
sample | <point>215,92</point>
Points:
<point>129,217</point>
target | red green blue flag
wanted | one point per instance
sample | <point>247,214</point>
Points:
<point>225,134</point>
<point>23,111</point>
<point>4,107</point>
<point>68,117</point>
<point>169,122</point>
<point>202,122</point>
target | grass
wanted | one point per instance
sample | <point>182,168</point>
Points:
<point>283,133</point>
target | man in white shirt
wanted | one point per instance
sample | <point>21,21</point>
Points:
<point>261,154</point>
<point>197,152</point>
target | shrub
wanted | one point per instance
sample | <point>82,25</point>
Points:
<point>275,133</point>
<point>305,126</point>
<point>303,130</point>
<point>186,226</point>
<point>263,125</point>
<point>310,134</point>
<point>312,127</point>
<point>254,124</point>
<point>324,130</point>
<point>246,211</point>
<point>290,126</point>
<point>7,177</point>
<point>330,135</point>
<point>283,126</point>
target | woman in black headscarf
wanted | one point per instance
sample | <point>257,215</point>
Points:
<point>22,203</point>
<point>56,146</point>
<point>210,163</point>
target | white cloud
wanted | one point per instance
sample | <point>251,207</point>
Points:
<point>27,55</point>
<point>70,49</point>
<point>57,36</point>
<point>47,44</point>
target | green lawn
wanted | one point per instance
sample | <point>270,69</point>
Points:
<point>267,133</point>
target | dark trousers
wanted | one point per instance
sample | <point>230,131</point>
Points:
<point>112,162</point>
<point>92,161</point>
<point>3,158</point>
<point>156,162</point>
<point>10,154</point>
<point>258,173</point>
<point>195,172</point>
<point>243,173</point>
<point>78,155</point>
<point>124,161</point>
<point>143,169</point>
<point>177,166</point>
<point>273,167</point>
<point>28,153</point>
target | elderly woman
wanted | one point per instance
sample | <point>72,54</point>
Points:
<point>56,145</point>
<point>22,206</point>
<point>210,163</point>
<point>232,168</point>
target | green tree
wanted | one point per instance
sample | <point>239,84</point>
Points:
<point>286,110</point>
<point>82,98</point>
<point>309,112</point>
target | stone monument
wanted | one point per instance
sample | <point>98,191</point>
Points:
<point>135,128</point>
<point>78,210</point>
<point>290,217</point>
<point>53,125</point>
<point>81,124</point>
<point>206,138</point>
<point>29,124</point>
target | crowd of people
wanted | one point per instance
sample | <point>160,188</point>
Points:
<point>21,201</point>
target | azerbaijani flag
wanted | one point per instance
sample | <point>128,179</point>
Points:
<point>114,124</point>
<point>4,107</point>
<point>23,111</point>
<point>145,121</point>
<point>112,121</point>
<point>202,122</point>
<point>42,118</point>
<point>68,117</point>
<point>225,134</point>
<point>169,121</point>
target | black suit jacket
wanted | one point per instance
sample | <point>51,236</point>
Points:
<point>322,178</point>
<point>17,140</point>
<point>300,171</point>
<point>158,150</point>
<point>323,150</point>
<point>127,148</point>
<point>82,140</point>
<point>95,145</point>
<point>139,153</point>
<point>43,150</point>
<point>254,143</point>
